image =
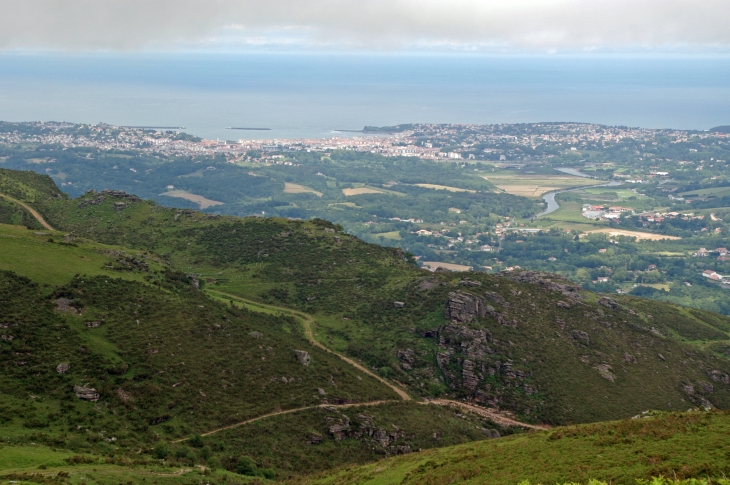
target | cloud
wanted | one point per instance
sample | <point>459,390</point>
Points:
<point>522,25</point>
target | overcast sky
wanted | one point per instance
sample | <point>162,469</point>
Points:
<point>532,26</point>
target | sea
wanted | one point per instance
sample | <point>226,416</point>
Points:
<point>306,95</point>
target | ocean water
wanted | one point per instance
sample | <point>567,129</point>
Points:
<point>310,95</point>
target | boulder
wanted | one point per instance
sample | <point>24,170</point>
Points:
<point>562,304</point>
<point>86,393</point>
<point>398,304</point>
<point>464,307</point>
<point>62,368</point>
<point>581,336</point>
<point>605,371</point>
<point>303,356</point>
<point>630,358</point>
<point>468,282</point>
<point>609,303</point>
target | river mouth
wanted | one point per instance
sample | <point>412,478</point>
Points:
<point>549,198</point>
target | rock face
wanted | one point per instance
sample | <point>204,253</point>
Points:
<point>463,307</point>
<point>365,429</point>
<point>546,280</point>
<point>62,368</point>
<point>303,356</point>
<point>86,393</point>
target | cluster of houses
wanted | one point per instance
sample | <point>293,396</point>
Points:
<point>708,273</point>
<point>602,212</point>
<point>656,217</point>
<point>722,254</point>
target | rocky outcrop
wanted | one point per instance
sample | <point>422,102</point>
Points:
<point>609,303</point>
<point>62,368</point>
<point>303,356</point>
<point>581,336</point>
<point>86,393</point>
<point>407,357</point>
<point>546,280</point>
<point>120,194</point>
<point>468,282</point>
<point>464,307</point>
<point>718,376</point>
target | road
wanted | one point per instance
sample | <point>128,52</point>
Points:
<point>32,211</point>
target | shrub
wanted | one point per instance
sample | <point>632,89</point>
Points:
<point>246,466</point>
<point>161,451</point>
<point>196,441</point>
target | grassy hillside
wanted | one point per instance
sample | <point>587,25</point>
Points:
<point>585,361</point>
<point>674,445</point>
<point>155,310</point>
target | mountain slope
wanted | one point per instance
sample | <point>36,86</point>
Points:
<point>545,351</point>
<point>673,445</point>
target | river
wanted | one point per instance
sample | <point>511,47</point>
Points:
<point>549,198</point>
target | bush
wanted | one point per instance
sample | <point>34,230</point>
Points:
<point>196,441</point>
<point>161,451</point>
<point>246,466</point>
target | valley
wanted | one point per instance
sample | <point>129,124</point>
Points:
<point>170,343</point>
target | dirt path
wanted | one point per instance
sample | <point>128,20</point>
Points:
<point>290,411</point>
<point>307,324</point>
<point>307,321</point>
<point>32,211</point>
<point>484,412</point>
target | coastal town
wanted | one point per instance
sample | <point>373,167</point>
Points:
<point>450,142</point>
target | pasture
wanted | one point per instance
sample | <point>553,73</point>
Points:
<point>198,199</point>
<point>290,188</point>
<point>444,187</point>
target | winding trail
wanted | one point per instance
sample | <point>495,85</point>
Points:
<point>307,321</point>
<point>32,211</point>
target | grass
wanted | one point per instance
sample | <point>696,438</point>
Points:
<point>290,188</point>
<point>679,445</point>
<point>394,235</point>
<point>29,253</point>
<point>716,191</point>
<point>169,361</point>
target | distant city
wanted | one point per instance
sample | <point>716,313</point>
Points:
<point>499,142</point>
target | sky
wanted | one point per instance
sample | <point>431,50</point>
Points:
<point>697,27</point>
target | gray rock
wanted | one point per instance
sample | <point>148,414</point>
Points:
<point>86,393</point>
<point>303,356</point>
<point>630,358</point>
<point>468,282</point>
<point>718,376</point>
<point>562,304</point>
<point>464,307</point>
<point>581,336</point>
<point>62,368</point>
<point>546,280</point>
<point>398,304</point>
<point>321,392</point>
<point>605,371</point>
<point>609,303</point>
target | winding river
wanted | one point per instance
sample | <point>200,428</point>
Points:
<point>549,198</point>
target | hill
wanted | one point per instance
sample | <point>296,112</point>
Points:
<point>528,343</point>
<point>674,445</point>
<point>289,345</point>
